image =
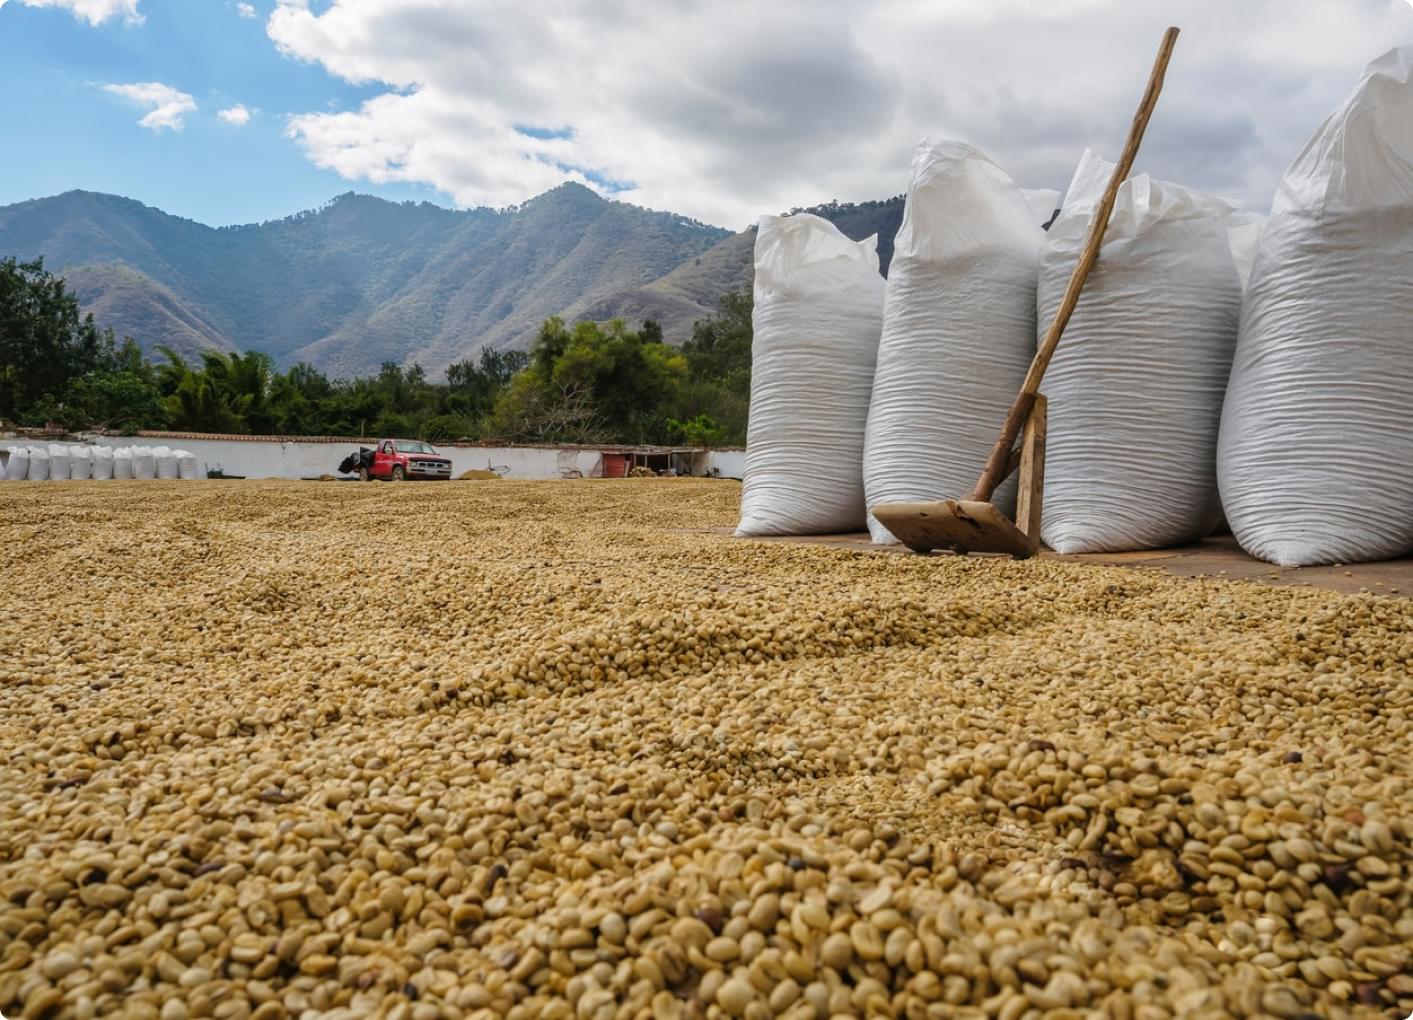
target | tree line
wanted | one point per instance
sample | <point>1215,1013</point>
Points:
<point>587,382</point>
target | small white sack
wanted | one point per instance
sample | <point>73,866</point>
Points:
<point>58,463</point>
<point>17,467</point>
<point>1136,385</point>
<point>958,330</point>
<point>166,462</point>
<point>38,464</point>
<point>187,467</point>
<point>818,311</point>
<point>122,464</point>
<point>81,462</point>
<point>102,463</point>
<point>1314,459</point>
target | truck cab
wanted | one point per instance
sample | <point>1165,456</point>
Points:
<point>398,460</point>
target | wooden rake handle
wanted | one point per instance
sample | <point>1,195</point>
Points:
<point>995,471</point>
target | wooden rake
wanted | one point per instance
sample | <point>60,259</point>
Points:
<point>975,524</point>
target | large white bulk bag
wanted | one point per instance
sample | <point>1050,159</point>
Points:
<point>187,467</point>
<point>958,330</point>
<point>1316,453</point>
<point>17,467</point>
<point>166,461</point>
<point>122,463</point>
<point>818,311</point>
<point>38,464</point>
<point>58,463</point>
<point>144,463</point>
<point>1136,385</point>
<point>3,476</point>
<point>81,462</point>
<point>102,463</point>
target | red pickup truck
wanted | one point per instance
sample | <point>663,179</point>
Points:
<point>403,459</point>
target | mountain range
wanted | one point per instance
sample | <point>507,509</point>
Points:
<point>361,281</point>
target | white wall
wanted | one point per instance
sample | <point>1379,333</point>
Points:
<point>257,459</point>
<point>731,463</point>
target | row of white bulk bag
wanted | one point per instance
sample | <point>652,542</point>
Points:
<point>1315,460</point>
<point>958,329</point>
<point>64,462</point>
<point>1304,436</point>
<point>818,311</point>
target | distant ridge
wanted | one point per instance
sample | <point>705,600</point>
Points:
<point>361,281</point>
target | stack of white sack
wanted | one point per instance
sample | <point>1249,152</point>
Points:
<point>1136,385</point>
<point>144,463</point>
<point>102,463</point>
<point>80,463</point>
<point>58,463</point>
<point>187,467</point>
<point>1314,461</point>
<point>38,464</point>
<point>818,311</point>
<point>166,461</point>
<point>958,329</point>
<point>17,466</point>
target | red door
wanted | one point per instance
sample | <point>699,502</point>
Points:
<point>615,465</point>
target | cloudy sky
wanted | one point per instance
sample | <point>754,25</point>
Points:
<point>230,111</point>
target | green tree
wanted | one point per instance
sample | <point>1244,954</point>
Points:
<point>473,388</point>
<point>699,431</point>
<point>592,379</point>
<point>720,348</point>
<point>45,343</point>
<point>298,401</point>
<point>121,396</point>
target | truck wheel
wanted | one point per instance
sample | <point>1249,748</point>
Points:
<point>363,475</point>
<point>397,473</point>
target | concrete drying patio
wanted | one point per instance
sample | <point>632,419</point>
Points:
<point>1218,556</point>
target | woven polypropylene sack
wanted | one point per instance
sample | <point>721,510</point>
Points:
<point>958,330</point>
<point>38,464</point>
<point>17,466</point>
<point>818,311</point>
<point>122,464</point>
<point>102,463</point>
<point>80,462</point>
<point>58,463</point>
<point>1136,385</point>
<point>1315,460</point>
<point>187,467</point>
<point>166,461</point>
<point>144,463</point>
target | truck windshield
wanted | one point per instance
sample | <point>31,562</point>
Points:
<point>407,446</point>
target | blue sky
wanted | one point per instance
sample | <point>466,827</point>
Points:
<point>720,110</point>
<point>68,132</point>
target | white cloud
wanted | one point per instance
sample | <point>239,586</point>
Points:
<point>246,10</point>
<point>95,12</point>
<point>167,106</point>
<point>237,115</point>
<point>727,110</point>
